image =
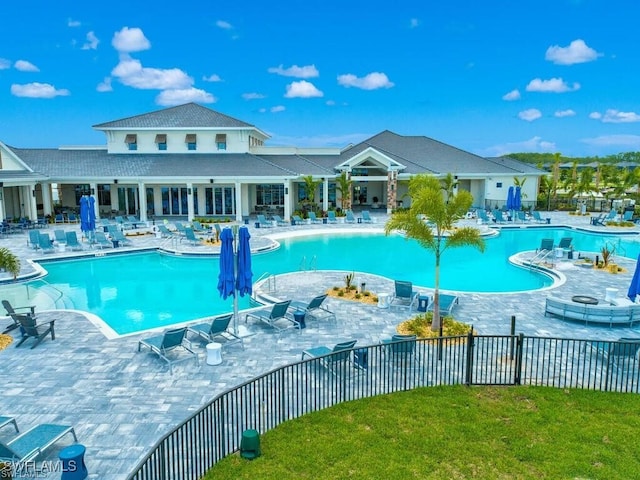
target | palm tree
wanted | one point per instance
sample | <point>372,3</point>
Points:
<point>437,199</point>
<point>343,185</point>
<point>310,187</point>
<point>9,262</point>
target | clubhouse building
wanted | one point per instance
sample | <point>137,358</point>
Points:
<point>190,161</point>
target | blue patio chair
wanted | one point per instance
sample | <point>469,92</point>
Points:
<point>179,227</point>
<point>167,344</point>
<point>546,245</point>
<point>314,218</point>
<point>59,236</point>
<point>536,217</point>
<point>622,354</point>
<point>404,294</point>
<point>216,330</point>
<point>4,421</point>
<point>72,241</point>
<point>366,217</point>
<point>274,316</point>
<point>120,237</point>
<point>46,245</point>
<point>497,216</point>
<point>72,217</point>
<point>263,222</point>
<point>296,220</point>
<point>331,217</point>
<point>334,359</point>
<point>164,231</point>
<point>101,240</point>
<point>34,239</point>
<point>350,218</point>
<point>446,303</point>
<point>522,216</point>
<point>279,221</point>
<point>197,227</point>
<point>627,216</point>
<point>135,222</point>
<point>190,237</point>
<point>31,444</point>
<point>565,243</point>
<point>401,349</point>
<point>59,218</point>
<point>315,308</point>
<point>482,215</point>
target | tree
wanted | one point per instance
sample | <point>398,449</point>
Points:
<point>438,200</point>
<point>343,185</point>
<point>310,187</point>
<point>9,262</point>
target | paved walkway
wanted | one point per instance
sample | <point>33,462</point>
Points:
<point>121,401</point>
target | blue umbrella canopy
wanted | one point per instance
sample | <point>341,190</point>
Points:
<point>92,213</point>
<point>510,198</point>
<point>84,213</point>
<point>634,288</point>
<point>226,278</point>
<point>244,278</point>
<point>517,198</point>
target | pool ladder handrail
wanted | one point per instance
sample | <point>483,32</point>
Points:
<point>313,264</point>
<point>56,289</point>
<point>269,279</point>
<point>540,257</point>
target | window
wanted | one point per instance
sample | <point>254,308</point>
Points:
<point>499,185</point>
<point>104,194</point>
<point>161,141</point>
<point>221,141</point>
<point>270,194</point>
<point>190,140</point>
<point>132,141</point>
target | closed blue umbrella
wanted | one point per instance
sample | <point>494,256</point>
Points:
<point>226,277</point>
<point>634,288</point>
<point>92,214</point>
<point>517,199</point>
<point>244,280</point>
<point>84,214</point>
<point>510,198</point>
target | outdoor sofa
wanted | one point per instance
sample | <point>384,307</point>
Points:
<point>600,314</point>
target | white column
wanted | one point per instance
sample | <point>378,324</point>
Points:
<point>288,199</point>
<point>3,213</point>
<point>325,195</point>
<point>190,209</point>
<point>142,199</point>
<point>47,199</point>
<point>238,192</point>
<point>33,204</point>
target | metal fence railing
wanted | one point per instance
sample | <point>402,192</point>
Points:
<point>291,391</point>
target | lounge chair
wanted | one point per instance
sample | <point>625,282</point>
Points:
<point>612,216</point>
<point>622,354</point>
<point>12,312</point>
<point>101,240</point>
<point>135,222</point>
<point>446,303</point>
<point>366,217</point>
<point>31,328</point>
<point>4,421</point>
<point>197,227</point>
<point>296,220</point>
<point>314,308</point>
<point>279,221</point>
<point>59,218</point>
<point>72,241</point>
<point>536,216</point>
<point>314,218</point>
<point>72,217</point>
<point>190,236</point>
<point>497,215</point>
<point>331,217</point>
<point>122,223</point>
<point>218,329</point>
<point>59,236</point>
<point>404,294</point>
<point>350,218</point>
<point>522,216</point>
<point>275,316</point>
<point>627,216</point>
<point>46,245</point>
<point>263,222</point>
<point>121,238</point>
<point>565,244</point>
<point>546,245</point>
<point>34,239</point>
<point>164,231</point>
<point>401,349</point>
<point>482,215</point>
<point>170,340</point>
<point>28,446</point>
<point>179,227</point>
<point>334,359</point>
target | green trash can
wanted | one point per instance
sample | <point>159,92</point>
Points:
<point>250,444</point>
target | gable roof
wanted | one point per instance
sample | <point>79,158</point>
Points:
<point>189,115</point>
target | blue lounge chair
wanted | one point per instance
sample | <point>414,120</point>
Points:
<point>263,222</point>
<point>622,354</point>
<point>135,222</point>
<point>34,239</point>
<point>72,217</point>
<point>536,216</point>
<point>446,303</point>
<point>164,231</point>
<point>334,359</point>
<point>190,236</point>
<point>59,218</point>
<point>522,216</point>
<point>314,308</point>
<point>482,215</point>
<point>565,243</point>
<point>366,217</point>
<point>197,227</point>
<point>121,238</point>
<point>279,221</point>
<point>171,340</point>
<point>404,294</point>
<point>72,241</point>
<point>216,330</point>
<point>350,218</point>
<point>101,240</point>
<point>31,444</point>
<point>331,217</point>
<point>4,421</point>
<point>546,245</point>
<point>275,316</point>
<point>46,245</point>
<point>59,236</point>
<point>401,349</point>
<point>314,218</point>
<point>122,223</point>
<point>497,216</point>
<point>179,227</point>
<point>296,220</point>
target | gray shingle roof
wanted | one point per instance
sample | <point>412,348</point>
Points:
<point>190,115</point>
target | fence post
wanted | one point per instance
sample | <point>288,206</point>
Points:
<point>468,376</point>
<point>518,367</point>
<point>513,333</point>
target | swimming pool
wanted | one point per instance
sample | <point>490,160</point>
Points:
<point>140,291</point>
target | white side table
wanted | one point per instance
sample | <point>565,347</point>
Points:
<point>383,300</point>
<point>214,353</point>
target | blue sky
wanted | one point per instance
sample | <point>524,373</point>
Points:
<point>488,77</point>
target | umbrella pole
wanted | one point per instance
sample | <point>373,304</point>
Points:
<point>235,276</point>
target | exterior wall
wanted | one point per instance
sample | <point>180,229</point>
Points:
<point>237,141</point>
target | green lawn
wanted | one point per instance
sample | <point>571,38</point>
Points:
<point>455,433</point>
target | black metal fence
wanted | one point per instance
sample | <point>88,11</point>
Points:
<point>215,430</point>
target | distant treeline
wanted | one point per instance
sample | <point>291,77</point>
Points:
<point>550,158</point>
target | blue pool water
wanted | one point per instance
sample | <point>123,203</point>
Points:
<point>147,290</point>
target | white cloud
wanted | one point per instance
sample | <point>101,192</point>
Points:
<point>253,96</point>
<point>414,22</point>
<point>5,64</point>
<point>530,115</point>
<point>564,113</point>
<point>616,116</point>
<point>371,81</point>
<point>224,25</point>
<point>512,95</point>
<point>595,115</point>
<point>277,108</point>
<point>622,141</point>
<point>25,66</point>
<point>73,23</point>
<point>308,71</point>
<point>302,89</point>
<point>553,85</point>
<point>212,78</point>
<point>576,52</point>
<point>37,90</point>
<point>105,85</point>
<point>331,103</point>
<point>92,42</point>
<point>535,144</point>
<point>130,72</point>
<point>184,95</point>
<point>130,40</point>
